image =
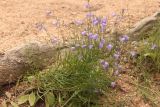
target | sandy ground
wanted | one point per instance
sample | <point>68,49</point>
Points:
<point>18,17</point>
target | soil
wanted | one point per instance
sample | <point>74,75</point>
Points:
<point>18,17</point>
<point>18,21</point>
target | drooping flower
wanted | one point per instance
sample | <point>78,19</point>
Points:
<point>84,33</point>
<point>89,15</point>
<point>84,46</point>
<point>104,21</point>
<point>133,53</point>
<point>90,35</point>
<point>113,84</point>
<point>103,24</point>
<point>109,47</point>
<point>116,56</point>
<point>114,14</point>
<point>119,67</point>
<point>124,38</point>
<point>101,45</point>
<point>56,23</point>
<point>87,5</point>
<point>54,40</point>
<point>116,73</point>
<point>95,21</point>
<point>78,22</point>
<point>154,46</point>
<point>116,64</point>
<point>103,28</point>
<point>73,48</point>
<point>90,46</point>
<point>93,36</point>
<point>104,64</point>
<point>102,40</point>
<point>40,26</point>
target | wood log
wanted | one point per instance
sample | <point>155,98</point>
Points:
<point>144,26</point>
<point>17,61</point>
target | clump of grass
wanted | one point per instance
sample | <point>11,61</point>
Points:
<point>149,58</point>
<point>75,82</point>
<point>148,66</point>
<point>86,70</point>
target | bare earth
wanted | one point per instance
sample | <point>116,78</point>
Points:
<point>18,17</point>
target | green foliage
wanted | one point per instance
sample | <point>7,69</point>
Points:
<point>23,99</point>
<point>78,79</point>
<point>149,59</point>
<point>32,99</point>
<point>148,66</point>
<point>49,99</point>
